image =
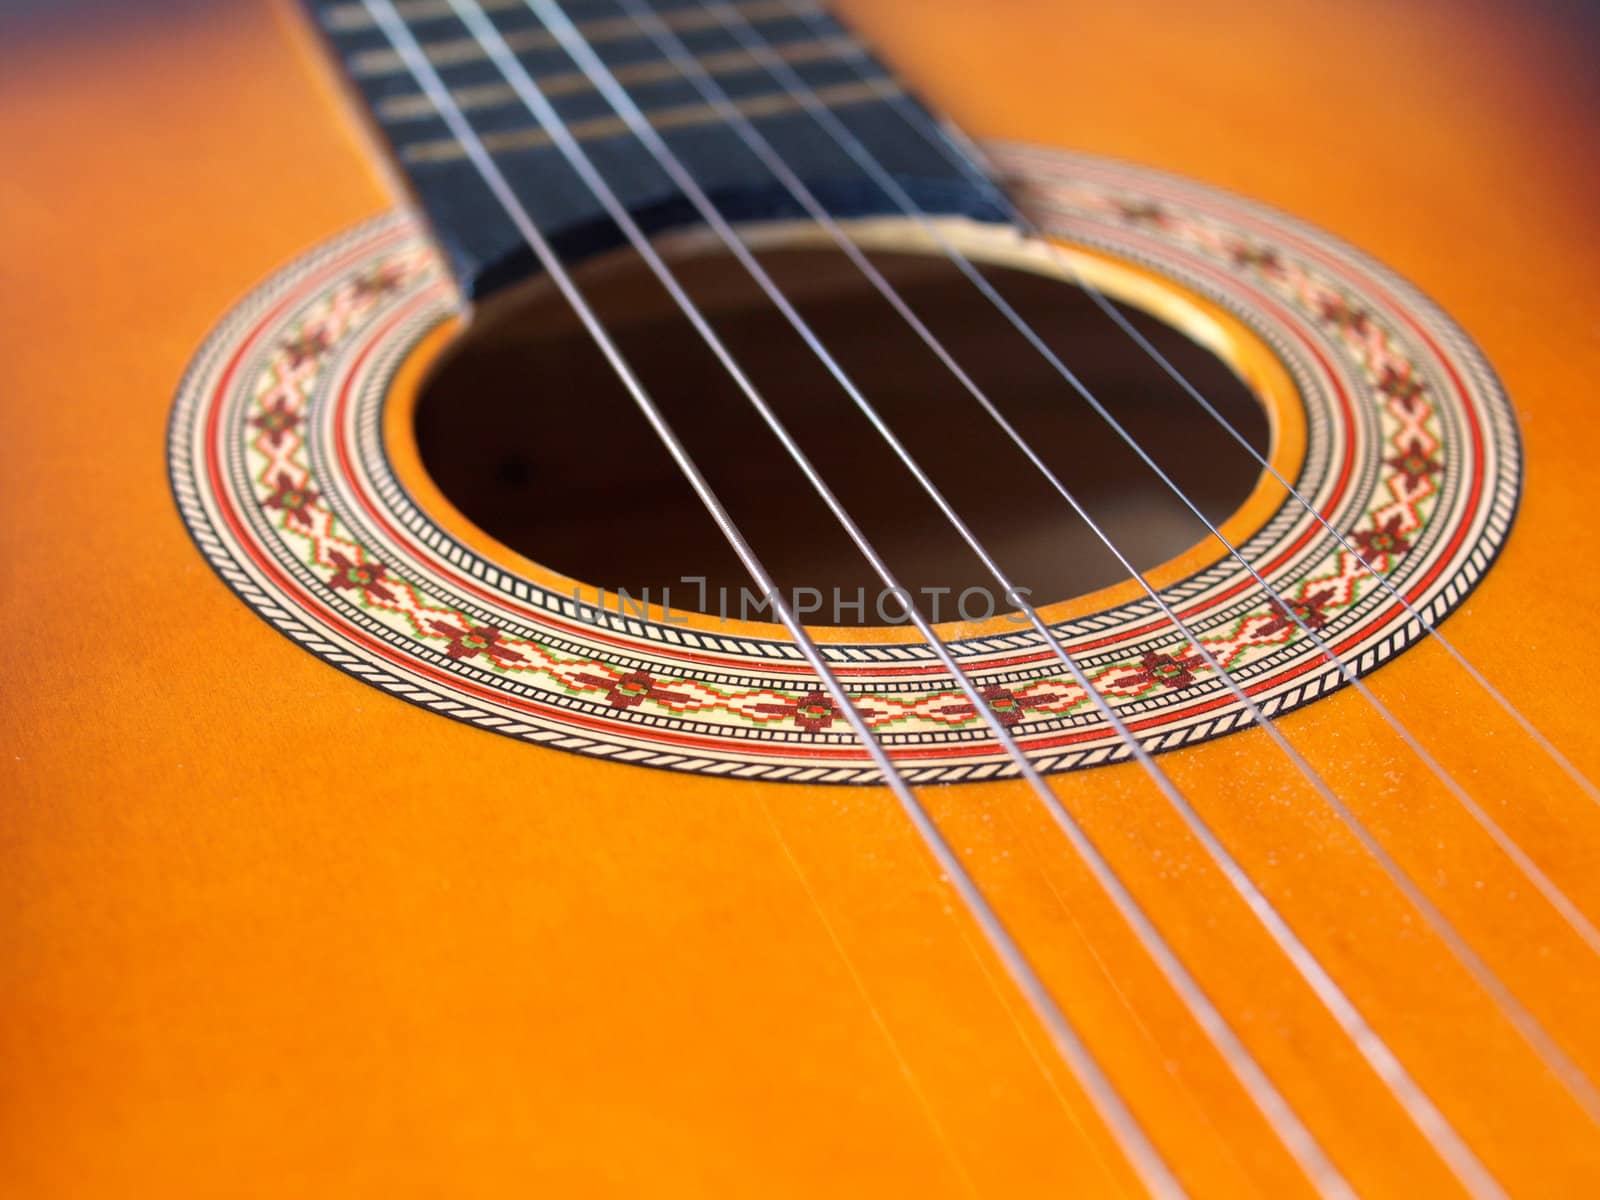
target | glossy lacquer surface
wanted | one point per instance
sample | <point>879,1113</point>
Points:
<point>267,931</point>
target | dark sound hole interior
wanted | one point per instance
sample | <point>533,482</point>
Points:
<point>525,427</point>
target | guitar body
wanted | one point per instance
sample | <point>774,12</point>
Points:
<point>270,931</point>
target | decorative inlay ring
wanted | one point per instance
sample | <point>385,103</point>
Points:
<point>1411,453</point>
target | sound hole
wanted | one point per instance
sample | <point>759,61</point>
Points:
<point>527,430</point>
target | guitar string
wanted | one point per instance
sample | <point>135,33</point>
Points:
<point>1303,501</point>
<point>610,85</point>
<point>556,23</point>
<point>964,157</point>
<point>1546,887</point>
<point>1120,1122</point>
<point>978,701</point>
<point>506,60</point>
<point>1446,1140</point>
<point>1555,1059</point>
<point>1565,1072</point>
<point>1251,1075</point>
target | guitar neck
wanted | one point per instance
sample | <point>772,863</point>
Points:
<point>727,41</point>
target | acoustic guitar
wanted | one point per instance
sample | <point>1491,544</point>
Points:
<point>603,602</point>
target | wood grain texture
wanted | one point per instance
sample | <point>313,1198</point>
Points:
<point>268,932</point>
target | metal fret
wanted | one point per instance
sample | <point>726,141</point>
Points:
<point>413,106</point>
<point>352,15</point>
<point>455,51</point>
<point>348,16</point>
<point>448,149</point>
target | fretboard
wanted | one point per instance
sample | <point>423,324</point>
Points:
<point>479,239</point>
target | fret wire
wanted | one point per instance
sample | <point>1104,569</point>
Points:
<point>1568,1073</point>
<point>451,52</point>
<point>566,83</point>
<point>1142,1155</point>
<point>352,14</point>
<point>683,116</point>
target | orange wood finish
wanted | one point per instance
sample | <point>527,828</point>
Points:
<point>268,932</point>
